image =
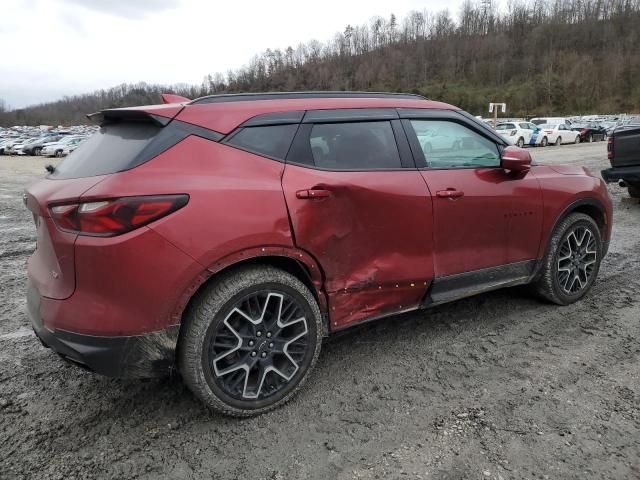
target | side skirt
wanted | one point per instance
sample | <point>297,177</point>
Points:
<point>461,285</point>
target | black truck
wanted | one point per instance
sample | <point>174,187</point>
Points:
<point>623,151</point>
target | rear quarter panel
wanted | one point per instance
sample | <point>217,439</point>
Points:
<point>235,198</point>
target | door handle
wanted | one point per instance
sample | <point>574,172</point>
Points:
<point>450,193</point>
<point>313,193</point>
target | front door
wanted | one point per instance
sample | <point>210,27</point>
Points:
<point>364,213</point>
<point>484,216</point>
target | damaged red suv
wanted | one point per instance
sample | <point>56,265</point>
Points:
<point>224,237</point>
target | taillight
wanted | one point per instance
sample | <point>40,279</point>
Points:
<point>610,147</point>
<point>513,132</point>
<point>548,131</point>
<point>110,217</point>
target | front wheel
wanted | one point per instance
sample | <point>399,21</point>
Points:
<point>250,341</point>
<point>577,139</point>
<point>37,150</point>
<point>572,261</point>
<point>544,142</point>
<point>558,141</point>
<point>634,191</point>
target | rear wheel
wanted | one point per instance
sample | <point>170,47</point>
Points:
<point>634,191</point>
<point>250,341</point>
<point>37,150</point>
<point>572,261</point>
<point>58,153</point>
<point>520,142</point>
<point>558,141</point>
<point>544,142</point>
<point>590,138</point>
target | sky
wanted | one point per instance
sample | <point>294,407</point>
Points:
<point>53,48</point>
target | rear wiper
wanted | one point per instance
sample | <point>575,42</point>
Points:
<point>50,168</point>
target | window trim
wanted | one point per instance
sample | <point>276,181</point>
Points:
<point>444,115</point>
<point>301,147</point>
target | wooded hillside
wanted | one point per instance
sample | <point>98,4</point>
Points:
<point>539,56</point>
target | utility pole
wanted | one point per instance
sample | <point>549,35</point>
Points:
<point>493,108</point>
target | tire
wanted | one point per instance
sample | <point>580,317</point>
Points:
<point>212,363</point>
<point>520,142</point>
<point>590,138</point>
<point>634,191</point>
<point>560,285</point>
<point>544,142</point>
<point>577,139</point>
<point>37,150</point>
<point>558,141</point>
<point>58,153</point>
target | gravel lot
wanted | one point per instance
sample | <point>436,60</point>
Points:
<point>498,386</point>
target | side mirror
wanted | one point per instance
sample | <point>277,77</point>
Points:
<point>515,159</point>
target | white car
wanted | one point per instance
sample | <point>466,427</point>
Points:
<point>56,149</point>
<point>559,133</point>
<point>522,133</point>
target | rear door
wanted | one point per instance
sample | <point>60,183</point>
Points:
<point>484,216</point>
<point>360,207</point>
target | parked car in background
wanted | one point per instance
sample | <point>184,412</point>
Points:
<point>559,133</point>
<point>623,151</point>
<point>550,120</point>
<point>226,236</point>
<point>590,132</point>
<point>5,144</point>
<point>34,146</point>
<point>57,149</point>
<point>522,133</point>
<point>70,148</point>
<point>15,147</point>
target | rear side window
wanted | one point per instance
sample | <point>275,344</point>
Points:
<point>271,141</point>
<point>354,146</point>
<point>112,149</point>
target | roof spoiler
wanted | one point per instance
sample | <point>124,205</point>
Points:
<point>171,98</point>
<point>161,115</point>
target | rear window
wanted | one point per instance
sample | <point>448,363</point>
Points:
<point>539,121</point>
<point>505,126</point>
<point>112,149</point>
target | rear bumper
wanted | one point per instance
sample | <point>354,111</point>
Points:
<point>628,174</point>
<point>135,356</point>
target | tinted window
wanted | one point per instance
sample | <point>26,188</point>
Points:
<point>272,141</point>
<point>354,146</point>
<point>112,149</point>
<point>448,145</point>
<point>505,126</point>
<point>525,126</point>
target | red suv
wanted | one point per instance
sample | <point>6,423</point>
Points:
<point>225,236</point>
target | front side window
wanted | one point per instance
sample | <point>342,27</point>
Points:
<point>450,145</point>
<point>354,146</point>
<point>271,140</point>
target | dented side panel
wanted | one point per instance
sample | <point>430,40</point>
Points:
<point>372,237</point>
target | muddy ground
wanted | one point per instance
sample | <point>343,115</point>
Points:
<point>498,386</point>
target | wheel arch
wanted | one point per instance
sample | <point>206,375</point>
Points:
<point>589,206</point>
<point>291,260</point>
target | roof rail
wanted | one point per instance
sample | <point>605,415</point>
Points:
<point>243,97</point>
